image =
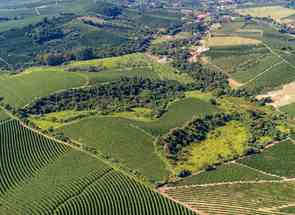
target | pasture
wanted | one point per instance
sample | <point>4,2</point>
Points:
<point>238,198</point>
<point>230,172</point>
<point>222,144</point>
<point>278,160</point>
<point>42,176</point>
<point>20,90</point>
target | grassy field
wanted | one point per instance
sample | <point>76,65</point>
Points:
<point>119,139</point>
<point>3,116</point>
<point>278,160</point>
<point>289,109</point>
<point>132,138</point>
<point>243,199</point>
<point>133,65</point>
<point>57,119</point>
<point>250,70</point>
<point>275,77</point>
<point>41,176</point>
<point>221,144</point>
<point>19,90</point>
<point>225,173</point>
<point>277,13</point>
<point>223,41</point>
<point>178,114</point>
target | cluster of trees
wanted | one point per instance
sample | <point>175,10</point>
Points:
<point>115,96</point>
<point>47,29</point>
<point>193,132</point>
<point>262,125</point>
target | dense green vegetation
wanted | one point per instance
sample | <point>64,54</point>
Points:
<point>257,198</point>
<point>129,141</point>
<point>225,173</point>
<point>133,65</point>
<point>43,176</point>
<point>120,140</point>
<point>278,160</point>
<point>115,96</point>
<point>64,32</point>
<point>22,89</point>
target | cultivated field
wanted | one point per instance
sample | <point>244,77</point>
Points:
<point>278,160</point>
<point>260,68</point>
<point>133,65</point>
<point>259,198</point>
<point>230,172</point>
<point>129,140</point>
<point>277,13</point>
<point>41,176</point>
<point>221,41</point>
<point>119,139</point>
<point>19,90</point>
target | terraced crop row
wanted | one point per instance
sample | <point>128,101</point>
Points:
<point>243,199</point>
<point>41,176</point>
<point>23,153</point>
<point>226,173</point>
<point>278,160</point>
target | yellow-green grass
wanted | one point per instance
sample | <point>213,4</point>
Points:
<point>230,172</point>
<point>137,114</point>
<point>289,109</point>
<point>179,112</point>
<point>221,144</point>
<point>20,90</point>
<point>165,38</point>
<point>133,65</point>
<point>224,41</point>
<point>278,160</point>
<point>57,119</point>
<point>119,139</point>
<point>3,115</point>
<point>204,96</point>
<point>277,13</point>
<point>242,199</point>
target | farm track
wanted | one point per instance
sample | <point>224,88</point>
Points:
<point>262,73</point>
<point>262,172</point>
<point>231,183</point>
